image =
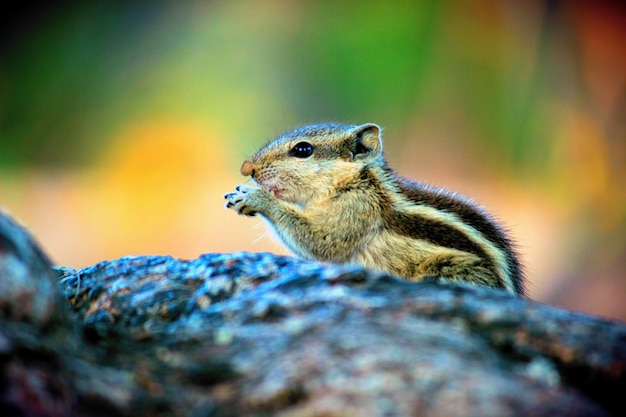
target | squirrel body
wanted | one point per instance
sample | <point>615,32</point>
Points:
<point>330,196</point>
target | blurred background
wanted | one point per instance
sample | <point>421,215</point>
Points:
<point>123,123</point>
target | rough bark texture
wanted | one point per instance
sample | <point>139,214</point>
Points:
<point>257,335</point>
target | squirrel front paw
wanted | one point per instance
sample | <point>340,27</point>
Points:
<point>246,200</point>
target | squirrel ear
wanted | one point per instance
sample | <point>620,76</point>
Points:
<point>367,141</point>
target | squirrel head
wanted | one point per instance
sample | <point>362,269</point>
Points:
<point>311,162</point>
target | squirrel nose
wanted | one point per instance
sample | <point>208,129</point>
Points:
<point>247,169</point>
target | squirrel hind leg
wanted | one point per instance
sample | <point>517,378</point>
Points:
<point>464,268</point>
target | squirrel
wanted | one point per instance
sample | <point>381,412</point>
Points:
<point>330,196</point>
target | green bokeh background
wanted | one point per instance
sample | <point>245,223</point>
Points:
<point>83,70</point>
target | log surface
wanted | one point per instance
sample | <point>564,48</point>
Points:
<point>247,334</point>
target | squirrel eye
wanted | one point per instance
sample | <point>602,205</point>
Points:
<point>301,150</point>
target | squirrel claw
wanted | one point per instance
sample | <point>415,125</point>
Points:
<point>240,201</point>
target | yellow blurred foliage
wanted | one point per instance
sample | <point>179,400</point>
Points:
<point>151,174</point>
<point>158,187</point>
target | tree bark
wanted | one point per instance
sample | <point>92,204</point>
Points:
<point>247,334</point>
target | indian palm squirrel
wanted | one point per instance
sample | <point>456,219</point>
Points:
<point>330,196</point>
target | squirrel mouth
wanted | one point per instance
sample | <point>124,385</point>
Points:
<point>274,190</point>
<point>270,185</point>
